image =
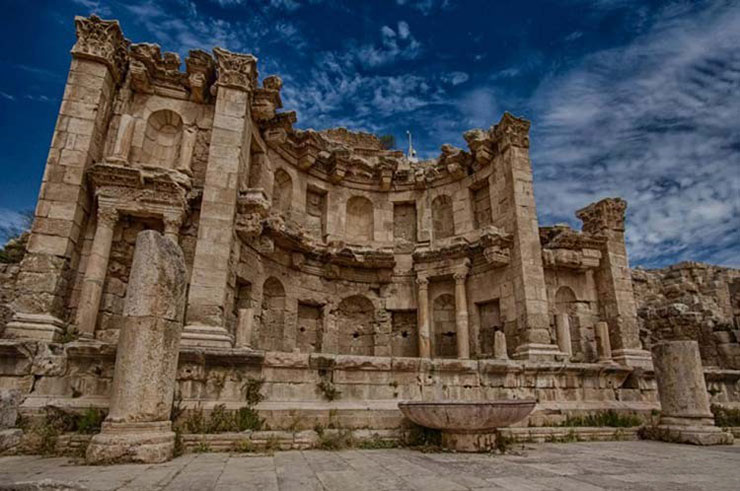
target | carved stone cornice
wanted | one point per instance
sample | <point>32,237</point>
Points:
<point>236,70</point>
<point>605,215</point>
<point>101,40</point>
<point>149,66</point>
<point>564,237</point>
<point>511,132</point>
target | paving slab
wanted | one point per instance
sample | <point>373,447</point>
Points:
<point>594,466</point>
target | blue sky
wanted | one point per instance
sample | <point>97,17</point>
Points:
<point>627,98</point>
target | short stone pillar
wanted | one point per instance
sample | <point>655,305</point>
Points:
<point>138,427</point>
<point>10,436</point>
<point>562,331</point>
<point>685,416</point>
<point>603,345</point>
<point>499,346</point>
<point>243,338</point>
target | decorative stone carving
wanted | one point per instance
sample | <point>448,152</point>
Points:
<point>201,70</point>
<point>607,214</point>
<point>101,40</point>
<point>511,131</point>
<point>267,99</point>
<point>236,70</point>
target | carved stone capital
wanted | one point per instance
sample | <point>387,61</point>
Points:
<point>236,70</point>
<point>172,223</point>
<point>107,216</point>
<point>460,276</point>
<point>422,282</point>
<point>511,132</point>
<point>101,40</point>
<point>607,214</point>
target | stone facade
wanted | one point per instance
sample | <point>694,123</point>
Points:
<point>693,301</point>
<point>311,257</point>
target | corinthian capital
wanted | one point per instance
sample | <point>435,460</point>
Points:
<point>101,40</point>
<point>422,282</point>
<point>235,69</point>
<point>511,131</point>
<point>607,214</point>
<point>107,216</point>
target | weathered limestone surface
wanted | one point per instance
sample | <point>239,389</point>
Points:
<point>138,427</point>
<point>692,301</point>
<point>685,414</point>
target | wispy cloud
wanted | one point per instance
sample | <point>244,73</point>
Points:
<point>6,96</point>
<point>654,121</point>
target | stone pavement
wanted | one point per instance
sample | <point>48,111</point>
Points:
<point>638,465</point>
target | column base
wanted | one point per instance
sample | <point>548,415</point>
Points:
<point>40,327</point>
<point>148,443</point>
<point>539,352</point>
<point>207,336</point>
<point>469,442</point>
<point>636,358</point>
<point>692,435</point>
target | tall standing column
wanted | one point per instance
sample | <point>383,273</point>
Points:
<point>228,157</point>
<point>461,315</point>
<point>614,281</point>
<point>97,267</point>
<point>99,62</point>
<point>425,347</point>
<point>138,427</point>
<point>524,296</point>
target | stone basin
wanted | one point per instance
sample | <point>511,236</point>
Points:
<point>467,426</point>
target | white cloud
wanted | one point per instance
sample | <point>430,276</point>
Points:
<point>395,46</point>
<point>5,95</point>
<point>455,78</point>
<point>94,7</point>
<point>655,121</point>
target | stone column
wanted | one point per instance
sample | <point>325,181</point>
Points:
<point>186,150</point>
<point>97,268</point>
<point>122,145</point>
<point>172,225</point>
<point>243,337</point>
<point>425,347</point>
<point>513,207</point>
<point>138,428</point>
<point>562,328</point>
<point>499,346</point>
<point>685,415</point>
<point>99,60</point>
<point>461,315</point>
<point>229,156</point>
<point>614,281</point>
<point>603,346</point>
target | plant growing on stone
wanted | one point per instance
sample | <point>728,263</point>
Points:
<point>610,418</point>
<point>335,440</point>
<point>253,391</point>
<point>724,416</point>
<point>248,419</point>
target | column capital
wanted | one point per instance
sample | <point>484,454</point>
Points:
<point>103,41</point>
<point>422,282</point>
<point>236,70</point>
<point>460,275</point>
<point>108,216</point>
<point>607,214</point>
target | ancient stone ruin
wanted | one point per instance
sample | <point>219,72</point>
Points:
<point>324,277</point>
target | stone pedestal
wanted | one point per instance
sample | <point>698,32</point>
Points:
<point>499,346</point>
<point>685,414</point>
<point>603,345</point>
<point>137,428</point>
<point>469,442</point>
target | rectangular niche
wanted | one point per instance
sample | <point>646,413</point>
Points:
<point>316,212</point>
<point>404,222</point>
<point>404,333</point>
<point>309,328</point>
<point>490,322</point>
<point>481,198</point>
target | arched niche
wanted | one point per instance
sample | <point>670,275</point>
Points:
<point>445,328</point>
<point>355,320</point>
<point>282,191</point>
<point>162,139</point>
<point>273,315</point>
<point>360,223</point>
<point>443,222</point>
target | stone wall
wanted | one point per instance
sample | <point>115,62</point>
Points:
<point>692,300</point>
<point>8,274</point>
